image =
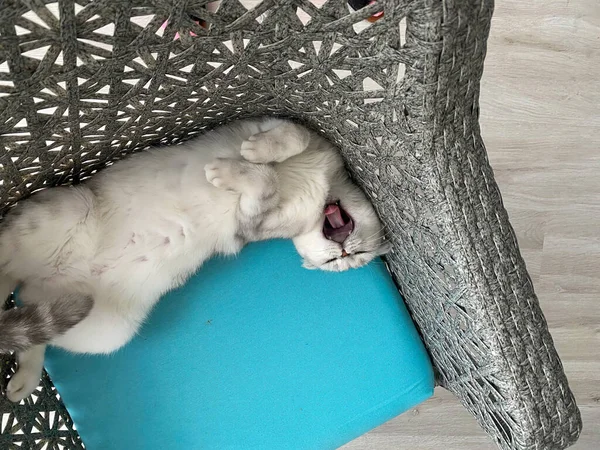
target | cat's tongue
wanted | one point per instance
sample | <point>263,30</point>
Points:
<point>334,216</point>
<point>338,225</point>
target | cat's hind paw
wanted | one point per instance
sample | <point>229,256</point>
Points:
<point>22,384</point>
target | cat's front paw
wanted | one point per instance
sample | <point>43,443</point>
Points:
<point>275,145</point>
<point>223,173</point>
<point>260,149</point>
<point>22,384</point>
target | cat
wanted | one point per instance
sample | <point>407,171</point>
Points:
<point>91,260</point>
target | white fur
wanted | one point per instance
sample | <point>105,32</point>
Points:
<point>141,227</point>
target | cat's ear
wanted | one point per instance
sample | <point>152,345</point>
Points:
<point>384,248</point>
<point>308,265</point>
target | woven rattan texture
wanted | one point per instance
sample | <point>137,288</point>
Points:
<point>83,83</point>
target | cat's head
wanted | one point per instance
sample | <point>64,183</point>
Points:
<point>348,235</point>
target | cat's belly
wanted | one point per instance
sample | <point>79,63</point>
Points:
<point>160,245</point>
<point>144,250</point>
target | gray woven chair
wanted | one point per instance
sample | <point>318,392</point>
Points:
<point>83,83</point>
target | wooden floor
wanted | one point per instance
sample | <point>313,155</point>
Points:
<point>541,124</point>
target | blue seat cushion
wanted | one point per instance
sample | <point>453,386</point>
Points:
<point>254,352</point>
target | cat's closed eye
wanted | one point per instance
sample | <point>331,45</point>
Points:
<point>341,256</point>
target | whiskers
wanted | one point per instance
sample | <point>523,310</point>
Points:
<point>375,239</point>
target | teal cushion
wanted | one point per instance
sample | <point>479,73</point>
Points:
<point>254,352</point>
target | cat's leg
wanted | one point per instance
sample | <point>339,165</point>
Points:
<point>277,144</point>
<point>108,327</point>
<point>257,184</point>
<point>29,372</point>
<point>38,322</point>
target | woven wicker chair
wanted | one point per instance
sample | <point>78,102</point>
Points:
<point>83,83</point>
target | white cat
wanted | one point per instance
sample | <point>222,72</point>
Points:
<point>92,260</point>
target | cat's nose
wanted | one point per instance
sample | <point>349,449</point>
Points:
<point>344,253</point>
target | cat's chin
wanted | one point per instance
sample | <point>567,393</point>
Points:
<point>308,265</point>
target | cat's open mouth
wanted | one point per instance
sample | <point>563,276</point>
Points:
<point>338,224</point>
